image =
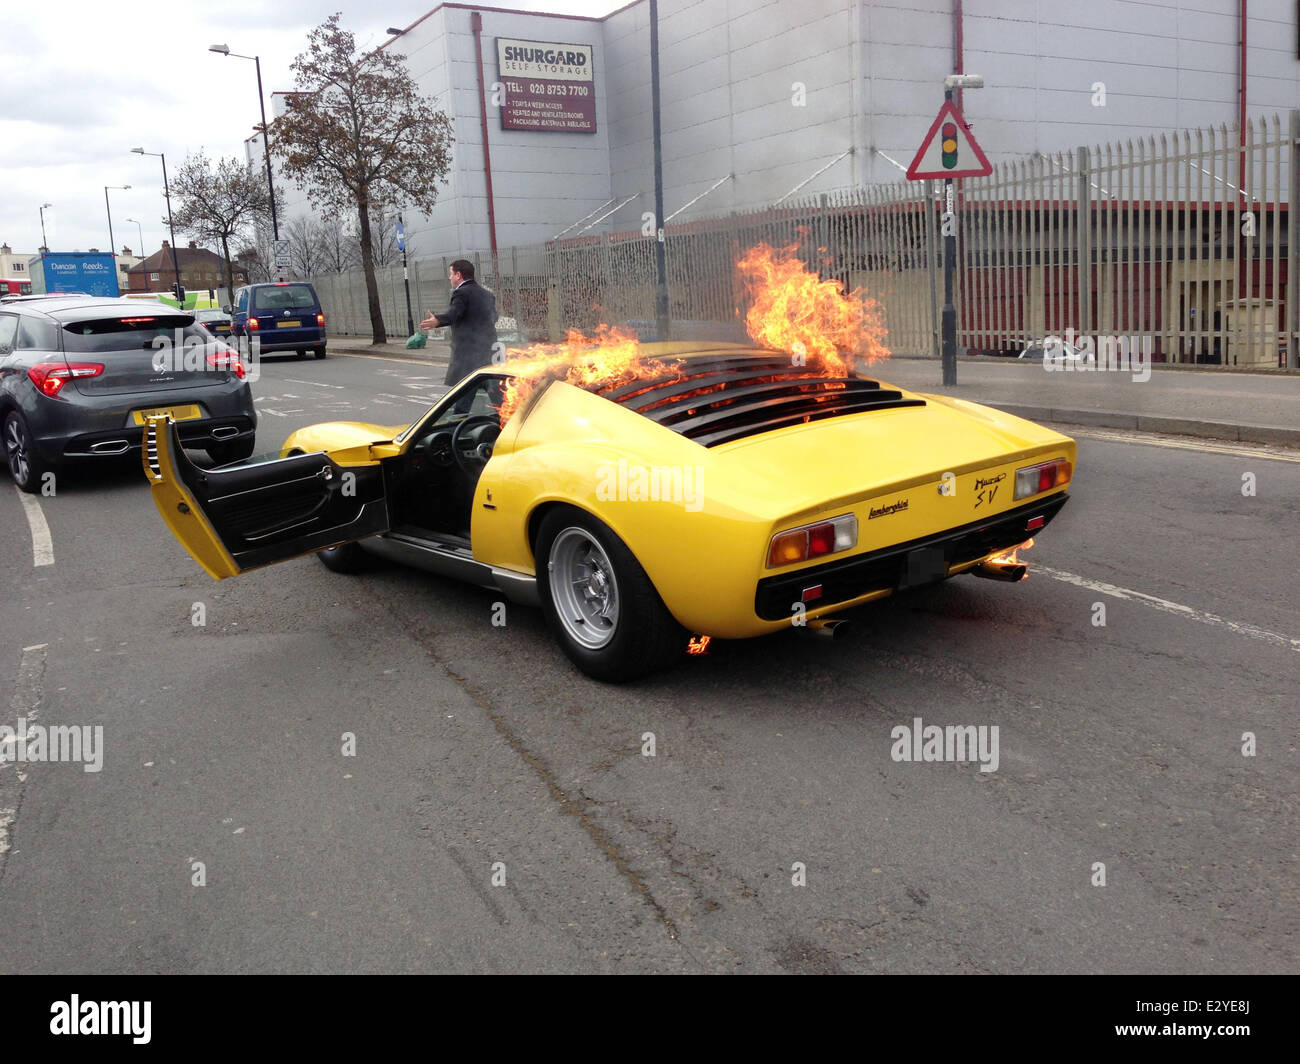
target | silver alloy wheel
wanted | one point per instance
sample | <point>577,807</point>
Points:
<point>584,588</point>
<point>16,450</point>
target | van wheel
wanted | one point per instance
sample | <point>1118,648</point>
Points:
<point>320,351</point>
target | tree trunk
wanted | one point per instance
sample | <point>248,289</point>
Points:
<point>368,264</point>
<point>230,276</point>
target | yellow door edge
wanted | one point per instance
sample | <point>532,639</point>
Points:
<point>179,510</point>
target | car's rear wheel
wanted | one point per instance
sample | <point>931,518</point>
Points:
<point>599,602</point>
<point>25,465</point>
<point>320,351</point>
<point>344,558</point>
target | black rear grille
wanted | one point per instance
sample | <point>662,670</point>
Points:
<point>726,397</point>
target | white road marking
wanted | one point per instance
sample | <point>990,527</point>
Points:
<point>314,384</point>
<point>1237,450</point>
<point>384,358</point>
<point>25,703</point>
<point>1166,606</point>
<point>42,544</point>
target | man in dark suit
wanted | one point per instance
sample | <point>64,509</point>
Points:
<point>472,317</point>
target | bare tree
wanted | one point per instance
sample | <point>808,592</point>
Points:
<point>258,255</point>
<point>219,204</point>
<point>384,238</point>
<point>305,253</point>
<point>338,245</point>
<point>357,134</point>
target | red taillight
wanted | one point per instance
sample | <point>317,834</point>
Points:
<point>136,321</point>
<point>50,377</point>
<point>812,541</point>
<point>821,539</point>
<point>282,284</point>
<point>228,361</point>
<point>1033,480</point>
<point>320,320</point>
<point>252,325</point>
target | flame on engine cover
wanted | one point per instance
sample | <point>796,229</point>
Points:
<point>792,309</point>
<point>610,358</point>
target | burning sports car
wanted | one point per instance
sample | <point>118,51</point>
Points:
<point>644,494</point>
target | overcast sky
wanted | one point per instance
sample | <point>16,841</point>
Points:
<point>82,82</point>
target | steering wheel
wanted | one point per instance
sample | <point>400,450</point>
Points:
<point>472,452</point>
<point>437,449</point>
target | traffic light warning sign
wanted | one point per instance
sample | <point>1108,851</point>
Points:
<point>949,150</point>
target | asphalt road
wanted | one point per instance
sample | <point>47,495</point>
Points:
<point>499,814</point>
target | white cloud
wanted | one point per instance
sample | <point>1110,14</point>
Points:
<point>85,82</point>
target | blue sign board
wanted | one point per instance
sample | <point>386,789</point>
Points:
<point>89,272</point>
<point>401,235</point>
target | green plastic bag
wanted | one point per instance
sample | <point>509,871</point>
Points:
<point>416,340</point>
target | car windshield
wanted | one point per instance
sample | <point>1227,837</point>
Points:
<point>284,297</point>
<point>129,334</point>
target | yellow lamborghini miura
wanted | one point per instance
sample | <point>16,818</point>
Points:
<point>731,496</point>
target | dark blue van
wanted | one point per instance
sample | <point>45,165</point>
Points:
<point>283,316</point>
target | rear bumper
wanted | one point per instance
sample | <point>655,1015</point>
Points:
<point>269,341</point>
<point>889,569</point>
<point>199,433</point>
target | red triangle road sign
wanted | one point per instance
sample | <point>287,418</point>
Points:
<point>949,149</point>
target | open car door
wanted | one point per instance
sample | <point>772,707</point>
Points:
<point>246,516</point>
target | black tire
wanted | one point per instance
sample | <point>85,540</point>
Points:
<point>344,558</point>
<point>643,636</point>
<point>225,453</point>
<point>319,352</point>
<point>26,467</point>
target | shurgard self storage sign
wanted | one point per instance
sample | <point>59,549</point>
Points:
<point>547,87</point>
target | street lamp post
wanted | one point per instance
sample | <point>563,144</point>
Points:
<point>222,49</point>
<point>949,322</point>
<point>140,230</point>
<point>112,246</point>
<point>176,266</point>
<point>44,243</point>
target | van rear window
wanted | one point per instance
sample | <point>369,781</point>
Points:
<point>284,297</point>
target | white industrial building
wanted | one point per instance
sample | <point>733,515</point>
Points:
<point>764,100</point>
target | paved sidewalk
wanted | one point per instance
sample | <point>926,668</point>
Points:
<point>1206,402</point>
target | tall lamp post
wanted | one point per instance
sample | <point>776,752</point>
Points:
<point>951,83</point>
<point>112,247</point>
<point>176,266</point>
<point>140,230</point>
<point>222,49</point>
<point>44,243</point>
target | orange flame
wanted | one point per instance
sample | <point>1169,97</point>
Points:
<point>610,358</point>
<point>1012,556</point>
<point>792,309</point>
<point>699,644</point>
